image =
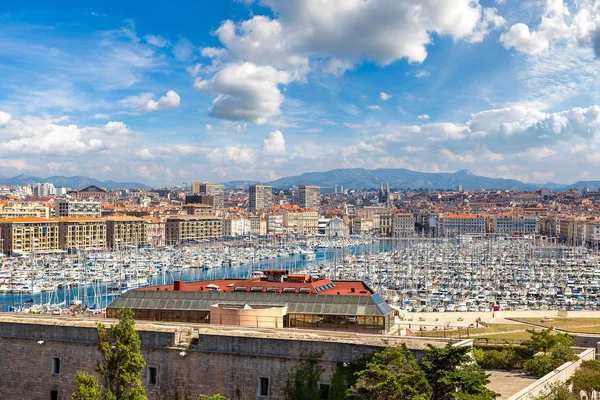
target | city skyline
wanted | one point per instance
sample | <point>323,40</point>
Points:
<point>257,90</point>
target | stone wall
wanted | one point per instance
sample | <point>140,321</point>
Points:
<point>226,363</point>
<point>559,375</point>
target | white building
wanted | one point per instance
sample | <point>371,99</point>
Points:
<point>459,224</point>
<point>70,208</point>
<point>275,224</point>
<point>403,224</point>
<point>336,228</point>
<point>236,226</point>
<point>44,189</point>
<point>516,225</point>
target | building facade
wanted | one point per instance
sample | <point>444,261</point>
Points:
<point>183,229</point>
<point>70,208</point>
<point>82,233</point>
<point>123,232</point>
<point>309,196</point>
<point>403,224</point>
<point>29,235</point>
<point>260,197</point>
<point>216,190</point>
<point>459,224</point>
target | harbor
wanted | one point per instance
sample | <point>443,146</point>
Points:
<point>464,274</point>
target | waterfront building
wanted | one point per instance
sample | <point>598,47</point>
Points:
<point>236,226</point>
<point>260,197</point>
<point>275,224</point>
<point>309,196</point>
<point>403,224</point>
<point>300,221</point>
<point>258,225</point>
<point>277,299</point>
<point>183,229</point>
<point>71,208</point>
<point>124,231</point>
<point>197,209</point>
<point>459,224</point>
<point>336,228</point>
<point>27,235</point>
<point>82,233</point>
<point>516,225</point>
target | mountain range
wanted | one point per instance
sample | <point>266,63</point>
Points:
<point>399,178</point>
<point>349,178</point>
<point>73,182</point>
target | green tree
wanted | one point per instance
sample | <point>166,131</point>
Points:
<point>587,378</point>
<point>120,365</point>
<point>344,377</point>
<point>542,364</point>
<point>392,374</point>
<point>558,392</point>
<point>213,397</point>
<point>303,379</point>
<point>546,339</point>
<point>87,387</point>
<point>452,374</point>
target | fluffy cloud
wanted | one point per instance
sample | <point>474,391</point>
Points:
<point>116,128</point>
<point>156,40</point>
<point>274,145</point>
<point>384,96</point>
<point>232,154</point>
<point>557,23</point>
<point>522,40</point>
<point>374,108</point>
<point>423,116</point>
<point>4,118</point>
<point>352,30</point>
<point>245,91</point>
<point>170,100</point>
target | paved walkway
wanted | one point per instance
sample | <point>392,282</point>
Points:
<point>508,383</point>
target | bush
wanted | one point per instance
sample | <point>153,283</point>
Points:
<point>499,357</point>
<point>542,364</point>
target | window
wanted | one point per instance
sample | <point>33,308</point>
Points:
<point>54,395</point>
<point>55,366</point>
<point>263,387</point>
<point>152,375</point>
<point>323,391</point>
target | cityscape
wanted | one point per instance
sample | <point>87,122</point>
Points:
<point>300,200</point>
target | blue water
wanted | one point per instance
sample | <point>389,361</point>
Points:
<point>100,296</point>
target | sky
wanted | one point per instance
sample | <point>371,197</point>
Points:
<point>169,92</point>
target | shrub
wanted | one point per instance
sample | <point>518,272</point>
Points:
<point>498,357</point>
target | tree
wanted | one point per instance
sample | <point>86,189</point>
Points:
<point>558,392</point>
<point>452,374</point>
<point>587,378</point>
<point>392,374</point>
<point>213,397</point>
<point>87,387</point>
<point>303,379</point>
<point>545,340</point>
<point>120,365</point>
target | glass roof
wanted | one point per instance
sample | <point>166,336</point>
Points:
<point>372,305</point>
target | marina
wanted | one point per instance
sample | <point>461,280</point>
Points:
<point>469,273</point>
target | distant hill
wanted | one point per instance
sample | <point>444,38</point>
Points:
<point>74,182</point>
<point>360,178</point>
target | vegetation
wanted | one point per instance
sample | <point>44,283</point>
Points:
<point>213,397</point>
<point>554,350</point>
<point>545,340</point>
<point>558,392</point>
<point>587,378</point>
<point>120,365</point>
<point>452,374</point>
<point>303,380</point>
<point>392,374</point>
<point>501,357</point>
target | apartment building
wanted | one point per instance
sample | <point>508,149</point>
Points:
<point>258,225</point>
<point>82,233</point>
<point>24,210</point>
<point>275,224</point>
<point>124,232</point>
<point>216,190</point>
<point>458,224</point>
<point>236,226</point>
<point>28,235</point>
<point>300,221</point>
<point>362,225</point>
<point>71,208</point>
<point>515,225</point>
<point>191,228</point>
<point>155,231</point>
<point>403,224</point>
<point>260,197</point>
<point>309,196</point>
<point>197,209</point>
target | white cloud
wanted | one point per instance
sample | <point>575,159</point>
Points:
<point>101,116</point>
<point>423,116</point>
<point>145,154</point>
<point>212,52</point>
<point>384,96</point>
<point>194,70</point>
<point>232,154</point>
<point>4,118</point>
<point>116,128</point>
<point>274,145</point>
<point>209,127</point>
<point>539,153</point>
<point>523,40</point>
<point>183,49</point>
<point>352,30</point>
<point>156,40</point>
<point>374,108</point>
<point>170,100</point>
<point>137,101</point>
<point>245,92</point>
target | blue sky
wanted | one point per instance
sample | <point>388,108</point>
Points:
<point>168,92</point>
